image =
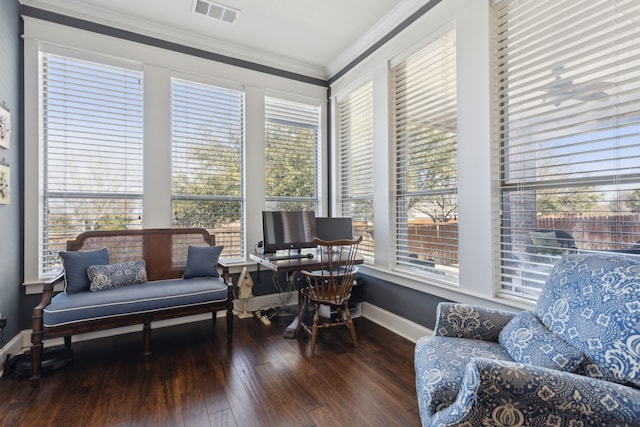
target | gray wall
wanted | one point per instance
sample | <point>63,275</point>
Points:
<point>418,307</point>
<point>10,215</point>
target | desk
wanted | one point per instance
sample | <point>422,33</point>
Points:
<point>295,264</point>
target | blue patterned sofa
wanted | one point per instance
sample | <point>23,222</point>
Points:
<point>572,361</point>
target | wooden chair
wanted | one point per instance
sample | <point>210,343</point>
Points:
<point>331,286</point>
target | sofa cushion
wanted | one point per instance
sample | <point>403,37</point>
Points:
<point>528,341</point>
<point>440,365</point>
<point>75,265</point>
<point>111,276</point>
<point>145,297</point>
<point>202,261</point>
<point>591,302</point>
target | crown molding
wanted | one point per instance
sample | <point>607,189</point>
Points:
<point>381,29</point>
<point>79,10</point>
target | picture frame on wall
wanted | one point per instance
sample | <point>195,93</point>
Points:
<point>5,184</point>
<point>5,126</point>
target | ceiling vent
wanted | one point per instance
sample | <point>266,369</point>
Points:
<point>215,11</point>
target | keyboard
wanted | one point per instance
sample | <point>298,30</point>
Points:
<point>285,257</point>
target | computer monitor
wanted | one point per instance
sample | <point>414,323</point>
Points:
<point>329,229</point>
<point>288,230</point>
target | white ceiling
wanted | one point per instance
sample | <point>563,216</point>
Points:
<point>312,37</point>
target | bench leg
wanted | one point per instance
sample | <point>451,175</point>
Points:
<point>146,331</point>
<point>36,359</point>
<point>67,341</point>
<point>229,325</point>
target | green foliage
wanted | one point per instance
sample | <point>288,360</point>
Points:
<point>432,173</point>
<point>290,161</point>
<point>208,190</point>
<point>570,203</point>
<point>633,201</point>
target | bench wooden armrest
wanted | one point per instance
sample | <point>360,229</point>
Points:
<point>48,288</point>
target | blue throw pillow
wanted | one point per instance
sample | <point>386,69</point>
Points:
<point>75,265</point>
<point>529,341</point>
<point>202,261</point>
<point>111,276</point>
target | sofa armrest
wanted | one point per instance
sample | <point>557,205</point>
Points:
<point>224,273</point>
<point>507,393</point>
<point>469,321</point>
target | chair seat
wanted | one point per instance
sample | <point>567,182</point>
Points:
<point>323,299</point>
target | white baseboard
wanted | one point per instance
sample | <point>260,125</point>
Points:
<point>11,349</point>
<point>397,324</point>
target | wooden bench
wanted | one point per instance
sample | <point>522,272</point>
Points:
<point>165,253</point>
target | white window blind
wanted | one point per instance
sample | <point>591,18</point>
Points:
<point>567,75</point>
<point>355,164</point>
<point>292,135</point>
<point>207,131</point>
<point>91,151</point>
<point>425,126</point>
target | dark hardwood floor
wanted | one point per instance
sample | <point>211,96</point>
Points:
<point>195,379</point>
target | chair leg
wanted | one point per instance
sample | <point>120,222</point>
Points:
<point>36,361</point>
<point>350,325</point>
<point>229,324</point>
<point>300,316</point>
<point>314,330</point>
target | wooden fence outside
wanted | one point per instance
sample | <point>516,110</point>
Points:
<point>598,233</point>
<point>438,240</point>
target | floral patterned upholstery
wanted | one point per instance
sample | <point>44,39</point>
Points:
<point>590,304</point>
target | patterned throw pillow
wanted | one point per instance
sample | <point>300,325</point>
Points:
<point>116,275</point>
<point>75,268</point>
<point>202,261</point>
<point>528,341</point>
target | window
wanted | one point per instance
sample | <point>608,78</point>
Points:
<point>91,174</point>
<point>207,138</point>
<point>569,133</point>
<point>425,126</point>
<point>292,135</point>
<point>355,164</point>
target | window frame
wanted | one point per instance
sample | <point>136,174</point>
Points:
<point>404,259</point>
<point>220,115</point>
<point>295,113</point>
<point>560,123</point>
<point>97,118</point>
<point>356,144</point>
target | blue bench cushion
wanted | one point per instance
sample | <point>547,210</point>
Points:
<point>440,365</point>
<point>150,296</point>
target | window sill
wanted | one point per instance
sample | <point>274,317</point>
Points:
<point>35,288</point>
